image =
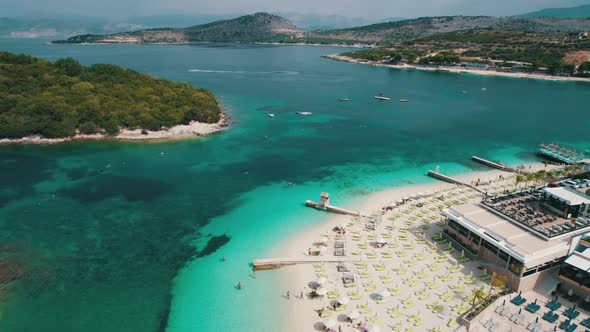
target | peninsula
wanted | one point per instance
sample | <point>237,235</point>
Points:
<point>52,102</point>
<point>259,27</point>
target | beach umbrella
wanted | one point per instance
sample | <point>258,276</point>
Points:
<point>324,239</point>
<point>385,293</point>
<point>373,328</point>
<point>343,300</point>
<point>380,240</point>
<point>354,315</point>
<point>330,323</point>
<point>321,291</point>
<point>322,280</point>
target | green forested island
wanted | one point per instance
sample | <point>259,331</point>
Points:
<point>62,98</point>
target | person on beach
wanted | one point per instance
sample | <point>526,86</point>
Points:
<point>301,296</point>
<point>288,295</point>
<point>309,251</point>
<point>239,285</point>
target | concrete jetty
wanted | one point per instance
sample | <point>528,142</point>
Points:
<point>439,176</point>
<point>324,205</point>
<point>277,263</point>
<point>493,164</point>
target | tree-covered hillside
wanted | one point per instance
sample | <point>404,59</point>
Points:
<point>58,99</point>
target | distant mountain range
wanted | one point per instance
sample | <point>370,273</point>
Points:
<point>248,28</point>
<point>392,32</point>
<point>571,12</point>
<point>52,27</point>
<point>264,27</point>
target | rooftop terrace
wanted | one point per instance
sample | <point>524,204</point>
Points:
<point>527,210</point>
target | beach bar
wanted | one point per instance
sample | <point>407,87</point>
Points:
<point>560,154</point>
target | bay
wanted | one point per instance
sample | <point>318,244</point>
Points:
<point>111,236</point>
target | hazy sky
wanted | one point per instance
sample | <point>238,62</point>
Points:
<point>351,8</point>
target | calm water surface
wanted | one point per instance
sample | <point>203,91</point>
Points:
<point>112,237</point>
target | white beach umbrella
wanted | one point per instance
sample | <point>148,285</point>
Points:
<point>321,291</point>
<point>330,323</point>
<point>385,293</point>
<point>354,315</point>
<point>343,300</point>
<point>324,239</point>
<point>343,225</point>
<point>373,328</point>
<point>380,240</point>
<point>322,280</point>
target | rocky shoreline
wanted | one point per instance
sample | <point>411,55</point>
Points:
<point>194,129</point>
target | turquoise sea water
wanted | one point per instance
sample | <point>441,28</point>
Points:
<point>111,237</point>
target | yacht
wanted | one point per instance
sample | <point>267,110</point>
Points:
<point>270,115</point>
<point>403,100</point>
<point>304,113</point>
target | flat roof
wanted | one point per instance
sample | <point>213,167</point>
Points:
<point>516,241</point>
<point>581,260</point>
<point>572,197</point>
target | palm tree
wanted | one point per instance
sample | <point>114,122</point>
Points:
<point>538,177</point>
<point>549,176</point>
<point>519,178</point>
<point>478,294</point>
<point>498,281</point>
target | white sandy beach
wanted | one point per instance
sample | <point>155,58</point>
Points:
<point>194,129</point>
<point>457,70</point>
<point>300,314</point>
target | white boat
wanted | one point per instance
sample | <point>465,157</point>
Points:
<point>270,115</point>
<point>344,99</point>
<point>304,113</point>
<point>403,100</point>
<point>381,98</point>
<point>463,91</point>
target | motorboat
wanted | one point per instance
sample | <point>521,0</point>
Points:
<point>403,100</point>
<point>381,97</point>
<point>304,113</point>
<point>270,115</point>
<point>344,99</point>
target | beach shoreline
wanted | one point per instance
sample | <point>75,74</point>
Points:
<point>456,70</point>
<point>299,314</point>
<point>179,132</point>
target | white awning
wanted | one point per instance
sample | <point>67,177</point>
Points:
<point>571,197</point>
<point>579,261</point>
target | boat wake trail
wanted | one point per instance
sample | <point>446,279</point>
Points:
<point>280,72</point>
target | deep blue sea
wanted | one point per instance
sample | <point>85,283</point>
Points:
<point>109,236</point>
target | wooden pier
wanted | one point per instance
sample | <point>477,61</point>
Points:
<point>493,164</point>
